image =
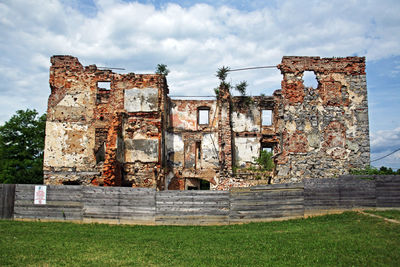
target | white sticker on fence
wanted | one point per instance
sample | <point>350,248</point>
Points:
<point>40,194</point>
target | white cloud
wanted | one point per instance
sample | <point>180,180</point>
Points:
<point>385,140</point>
<point>192,40</point>
<point>383,143</point>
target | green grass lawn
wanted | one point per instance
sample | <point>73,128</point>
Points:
<point>348,239</point>
<point>390,214</point>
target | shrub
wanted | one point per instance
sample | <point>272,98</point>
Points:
<point>265,161</point>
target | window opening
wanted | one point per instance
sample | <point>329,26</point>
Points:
<point>204,185</point>
<point>267,149</point>
<point>101,153</point>
<point>198,154</point>
<point>103,92</point>
<point>310,79</point>
<point>265,160</point>
<point>71,183</point>
<point>198,148</point>
<point>192,188</point>
<point>204,116</point>
<point>266,117</point>
<point>104,85</point>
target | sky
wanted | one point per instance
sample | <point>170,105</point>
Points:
<point>195,38</point>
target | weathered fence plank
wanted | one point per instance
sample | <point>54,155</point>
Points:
<point>346,192</point>
<point>388,191</point>
<point>266,202</point>
<point>119,205</point>
<point>7,198</point>
<point>192,207</point>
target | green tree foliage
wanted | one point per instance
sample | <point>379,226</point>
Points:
<point>162,69</point>
<point>222,73</point>
<point>241,87</point>
<point>21,148</point>
<point>375,171</point>
<point>265,161</point>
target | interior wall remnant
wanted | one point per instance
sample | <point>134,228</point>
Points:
<point>247,149</point>
<point>192,142</point>
<point>110,129</point>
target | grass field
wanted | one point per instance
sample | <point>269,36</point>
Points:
<point>348,239</point>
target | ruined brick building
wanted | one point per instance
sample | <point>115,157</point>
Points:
<point>105,128</point>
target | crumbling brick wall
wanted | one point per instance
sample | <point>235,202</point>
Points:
<point>104,136</point>
<point>324,130</point>
<point>111,129</point>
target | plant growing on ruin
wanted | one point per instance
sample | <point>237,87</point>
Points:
<point>265,161</point>
<point>216,91</point>
<point>162,69</point>
<point>222,74</point>
<point>241,87</point>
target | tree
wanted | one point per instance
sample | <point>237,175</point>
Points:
<point>369,170</point>
<point>162,69</point>
<point>222,73</point>
<point>21,148</point>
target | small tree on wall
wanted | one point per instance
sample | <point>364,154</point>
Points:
<point>241,87</point>
<point>222,73</point>
<point>162,69</point>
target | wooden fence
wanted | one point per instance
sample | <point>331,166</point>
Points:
<point>387,191</point>
<point>346,192</point>
<point>260,203</point>
<point>146,206</point>
<point>192,207</point>
<point>119,205</point>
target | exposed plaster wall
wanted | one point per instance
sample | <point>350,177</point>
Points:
<point>249,121</point>
<point>247,149</point>
<point>209,151</point>
<point>141,99</point>
<point>67,148</point>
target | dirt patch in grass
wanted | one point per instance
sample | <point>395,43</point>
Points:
<point>389,214</point>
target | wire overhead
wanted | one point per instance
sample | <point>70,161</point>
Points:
<point>109,68</point>
<point>386,155</point>
<point>192,95</point>
<point>254,68</point>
